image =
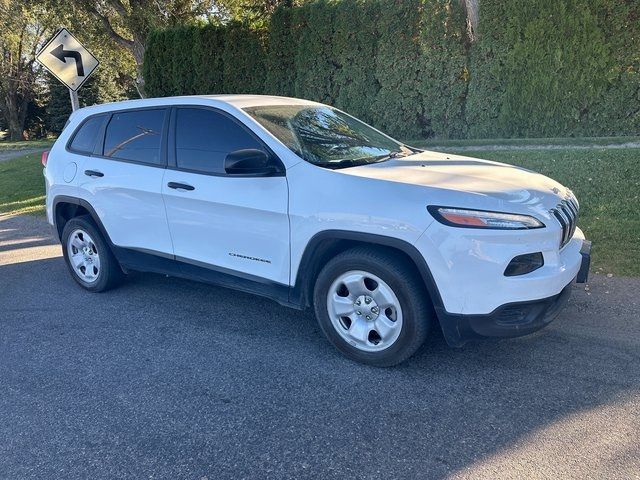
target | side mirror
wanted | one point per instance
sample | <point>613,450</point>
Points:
<point>249,161</point>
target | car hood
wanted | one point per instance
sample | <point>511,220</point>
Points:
<point>491,184</point>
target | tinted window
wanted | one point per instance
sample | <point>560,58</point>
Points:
<point>135,136</point>
<point>84,141</point>
<point>205,137</point>
<point>326,136</point>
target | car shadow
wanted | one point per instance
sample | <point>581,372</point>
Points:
<point>27,243</point>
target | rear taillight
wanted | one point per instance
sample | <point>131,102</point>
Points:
<point>45,157</point>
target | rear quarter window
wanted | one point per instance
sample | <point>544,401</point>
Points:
<point>85,138</point>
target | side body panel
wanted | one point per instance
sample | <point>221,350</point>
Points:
<point>236,223</point>
<point>129,202</point>
<point>322,199</point>
<point>62,171</point>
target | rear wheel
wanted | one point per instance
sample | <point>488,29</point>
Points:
<point>88,257</point>
<point>372,306</point>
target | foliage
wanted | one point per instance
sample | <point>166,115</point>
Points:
<point>355,82</point>
<point>617,108</point>
<point>242,60</point>
<point>444,75</point>
<point>554,68</point>
<point>397,106</point>
<point>254,12</point>
<point>554,72</point>
<point>314,66</point>
<point>280,54</point>
<point>128,23</point>
<point>23,26</point>
<point>537,68</point>
<point>207,60</point>
<point>204,60</point>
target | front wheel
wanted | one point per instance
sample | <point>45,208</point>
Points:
<point>371,304</point>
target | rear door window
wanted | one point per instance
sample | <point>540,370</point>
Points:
<point>85,138</point>
<point>135,136</point>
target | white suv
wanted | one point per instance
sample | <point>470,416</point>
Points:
<point>302,203</point>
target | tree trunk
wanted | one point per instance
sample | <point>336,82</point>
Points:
<point>16,129</point>
<point>471,8</point>
<point>15,116</point>
<point>137,50</point>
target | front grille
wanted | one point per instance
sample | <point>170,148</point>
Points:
<point>567,215</point>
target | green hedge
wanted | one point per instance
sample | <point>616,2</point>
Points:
<point>538,67</point>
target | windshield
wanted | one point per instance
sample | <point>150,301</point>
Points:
<point>325,136</point>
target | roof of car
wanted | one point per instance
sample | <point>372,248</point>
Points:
<point>238,101</point>
<point>244,101</point>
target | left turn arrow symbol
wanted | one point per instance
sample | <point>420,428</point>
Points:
<point>61,54</point>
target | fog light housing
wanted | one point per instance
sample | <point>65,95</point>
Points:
<point>523,264</point>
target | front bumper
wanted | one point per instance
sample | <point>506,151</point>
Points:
<point>512,319</point>
<point>468,266</point>
<point>585,252</point>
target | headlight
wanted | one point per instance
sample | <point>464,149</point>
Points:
<point>459,217</point>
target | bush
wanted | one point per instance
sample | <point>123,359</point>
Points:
<point>538,67</point>
<point>243,60</point>
<point>397,106</point>
<point>280,54</point>
<point>354,49</point>
<point>554,73</point>
<point>314,64</point>
<point>444,75</point>
<point>207,59</point>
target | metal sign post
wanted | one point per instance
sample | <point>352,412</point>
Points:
<point>75,104</point>
<point>69,61</point>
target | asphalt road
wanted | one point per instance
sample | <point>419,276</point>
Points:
<point>165,378</point>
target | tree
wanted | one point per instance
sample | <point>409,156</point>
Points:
<point>23,27</point>
<point>255,12</point>
<point>129,22</point>
<point>471,8</point>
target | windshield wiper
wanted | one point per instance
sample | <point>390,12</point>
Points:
<point>355,162</point>
<point>343,164</point>
<point>390,155</point>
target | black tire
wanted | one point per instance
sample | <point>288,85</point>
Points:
<point>110,274</point>
<point>401,276</point>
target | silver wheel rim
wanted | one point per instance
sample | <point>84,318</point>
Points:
<point>83,256</point>
<point>364,311</point>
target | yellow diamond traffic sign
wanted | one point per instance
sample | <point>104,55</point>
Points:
<point>67,59</point>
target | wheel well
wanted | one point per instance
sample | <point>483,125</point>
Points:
<point>326,249</point>
<point>64,212</point>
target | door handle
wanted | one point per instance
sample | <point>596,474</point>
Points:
<point>93,173</point>
<point>180,186</point>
